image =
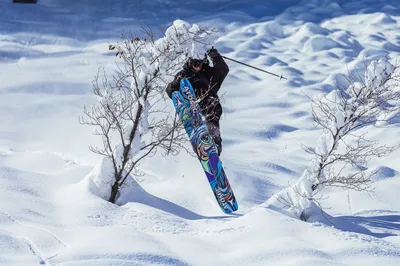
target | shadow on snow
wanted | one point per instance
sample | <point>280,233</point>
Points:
<point>379,226</point>
<point>140,195</point>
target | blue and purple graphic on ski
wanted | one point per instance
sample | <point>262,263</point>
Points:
<point>203,145</point>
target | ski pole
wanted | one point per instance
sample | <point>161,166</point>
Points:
<point>262,70</point>
<point>280,77</point>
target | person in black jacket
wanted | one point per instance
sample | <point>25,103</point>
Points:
<point>206,81</point>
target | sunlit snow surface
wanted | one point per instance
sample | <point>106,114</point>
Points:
<point>49,54</point>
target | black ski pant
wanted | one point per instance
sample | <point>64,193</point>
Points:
<point>212,110</point>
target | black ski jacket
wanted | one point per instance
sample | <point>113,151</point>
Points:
<point>206,83</point>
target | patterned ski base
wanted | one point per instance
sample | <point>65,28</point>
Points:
<point>204,146</point>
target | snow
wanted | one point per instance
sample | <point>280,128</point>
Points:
<point>50,211</point>
<point>377,72</point>
<point>319,43</point>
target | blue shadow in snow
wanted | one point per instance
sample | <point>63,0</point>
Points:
<point>274,131</point>
<point>125,259</point>
<point>139,195</point>
<point>357,224</point>
<point>395,120</point>
<point>384,225</point>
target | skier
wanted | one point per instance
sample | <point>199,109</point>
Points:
<point>206,81</point>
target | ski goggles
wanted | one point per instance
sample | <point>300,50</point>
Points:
<point>197,63</point>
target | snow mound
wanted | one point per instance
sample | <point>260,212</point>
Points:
<point>345,39</point>
<point>267,29</point>
<point>271,29</point>
<point>38,162</point>
<point>254,36</point>
<point>99,180</point>
<point>15,250</point>
<point>270,61</point>
<point>306,31</point>
<point>371,54</point>
<point>383,18</point>
<point>253,44</point>
<point>319,43</point>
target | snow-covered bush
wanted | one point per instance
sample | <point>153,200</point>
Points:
<point>345,116</point>
<point>129,115</point>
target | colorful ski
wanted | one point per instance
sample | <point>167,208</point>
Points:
<point>203,145</point>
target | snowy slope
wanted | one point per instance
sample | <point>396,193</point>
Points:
<point>49,53</point>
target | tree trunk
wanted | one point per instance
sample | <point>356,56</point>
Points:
<point>114,192</point>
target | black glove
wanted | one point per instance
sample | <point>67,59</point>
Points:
<point>213,53</point>
<point>180,75</point>
<point>175,84</point>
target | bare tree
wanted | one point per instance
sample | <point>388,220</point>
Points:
<point>345,116</point>
<point>131,115</point>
